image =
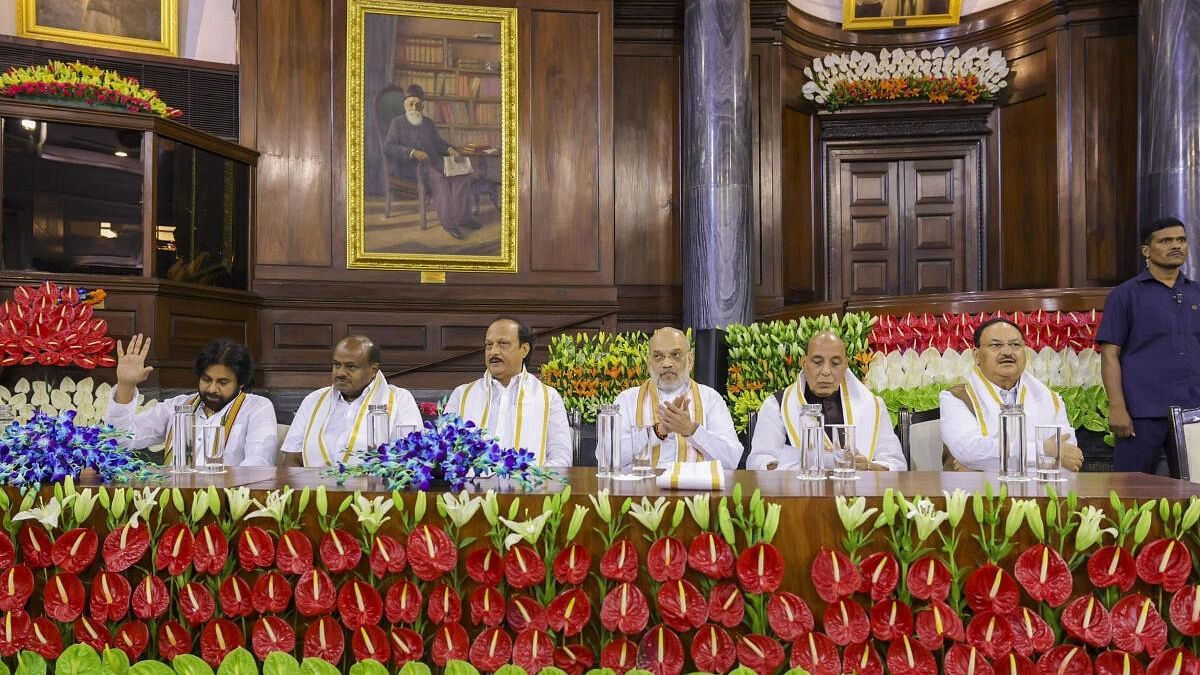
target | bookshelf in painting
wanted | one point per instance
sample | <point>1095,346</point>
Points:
<point>461,79</point>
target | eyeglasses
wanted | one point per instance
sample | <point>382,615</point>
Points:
<point>1000,346</point>
<point>676,356</point>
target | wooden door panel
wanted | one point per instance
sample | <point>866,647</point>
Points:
<point>869,228</point>
<point>934,225</point>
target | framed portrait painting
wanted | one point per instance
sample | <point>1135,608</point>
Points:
<point>878,14</point>
<point>148,26</point>
<point>431,120</point>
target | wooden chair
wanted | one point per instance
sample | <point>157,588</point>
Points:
<point>1183,452</point>
<point>921,439</point>
<point>389,104</point>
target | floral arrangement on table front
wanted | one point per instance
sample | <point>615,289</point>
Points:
<point>837,80</point>
<point>85,84</point>
<point>590,369</point>
<point>49,325</point>
<point>50,448</point>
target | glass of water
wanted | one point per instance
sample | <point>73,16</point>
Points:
<point>644,442</point>
<point>210,444</point>
<point>844,449</point>
<point>1048,446</point>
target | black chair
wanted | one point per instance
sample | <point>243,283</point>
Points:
<point>1183,452</point>
<point>751,422</point>
<point>928,451</point>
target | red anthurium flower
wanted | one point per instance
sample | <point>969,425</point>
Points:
<point>132,638</point>
<point>760,569</point>
<point>175,550</point>
<point>272,634</point>
<point>726,605</point>
<point>403,602</point>
<point>666,560</point>
<point>44,638</point>
<point>789,615</point>
<point>431,553</point>
<point>1015,664</point>
<point>196,603</point>
<point>1086,619</point>
<point>1178,661</point>
<point>621,656</point>
<point>340,552</point>
<point>491,649</point>
<point>990,634</point>
<point>173,640</point>
<point>712,649</point>
<point>316,594</point>
<point>660,652</point>
<point>15,629</point>
<point>444,605</point>
<point>294,555</point>
<point>1044,575</point>
<point>570,611</point>
<point>571,565</point>
<point>833,575</point>
<point>35,546</point>
<point>8,554</point>
<point>880,573</point>
<point>450,643</point>
<point>256,549</point>
<point>486,604</point>
<point>620,562</point>
<point>235,597</point>
<point>16,585</point>
<point>485,565</point>
<point>74,550</point>
<point>524,612</point>
<point>1185,610</point>
<point>939,623</point>
<point>387,556</point>
<point>575,659</point>
<point>1166,563</point>
<point>359,605</point>
<point>1118,663</point>
<point>815,653</point>
<point>110,597</point>
<point>533,650</point>
<point>323,639</point>
<point>211,550</point>
<point>760,653</point>
<point>1065,660</point>
<point>407,645</point>
<point>1030,632</point>
<point>624,610</point>
<point>124,547</point>
<point>860,659</point>
<point>1112,566</point>
<point>370,642</point>
<point>908,657</point>
<point>711,556</point>
<point>682,606</point>
<point>523,567</point>
<point>991,589</point>
<point>63,597</point>
<point>890,620</point>
<point>218,638</point>
<point>1137,626</point>
<point>964,660</point>
<point>271,593</point>
<point>846,622</point>
<point>92,633</point>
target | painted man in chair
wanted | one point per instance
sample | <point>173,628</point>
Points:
<point>825,379</point>
<point>970,413</point>
<point>413,145</point>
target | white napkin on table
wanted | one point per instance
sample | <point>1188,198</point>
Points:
<point>693,476</point>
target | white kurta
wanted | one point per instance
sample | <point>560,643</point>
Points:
<point>326,419</point>
<point>252,437</point>
<point>539,414</point>
<point>715,438</point>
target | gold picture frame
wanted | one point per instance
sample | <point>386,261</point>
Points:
<point>887,14</point>
<point>444,78</point>
<point>146,26</point>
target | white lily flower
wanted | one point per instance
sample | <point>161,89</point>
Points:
<point>460,509</point>
<point>1090,533</point>
<point>601,505</point>
<point>84,501</point>
<point>956,505</point>
<point>239,502</point>
<point>372,513</point>
<point>144,503</point>
<point>853,513</point>
<point>927,518</point>
<point>276,506</point>
<point>529,530</point>
<point>47,514</point>
<point>649,514</point>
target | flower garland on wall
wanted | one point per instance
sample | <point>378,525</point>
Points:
<point>837,80</point>
<point>86,84</point>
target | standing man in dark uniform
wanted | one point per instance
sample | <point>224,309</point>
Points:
<point>1150,348</point>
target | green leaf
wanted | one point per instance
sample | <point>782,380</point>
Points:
<point>410,668</point>
<point>281,663</point>
<point>638,671</point>
<point>593,671</point>
<point>238,662</point>
<point>80,662</point>
<point>151,667</point>
<point>78,659</point>
<point>548,670</point>
<point>187,664</point>
<point>1142,528</point>
<point>4,669</point>
<point>115,660</point>
<point>510,669</point>
<point>742,670</point>
<point>373,667</point>
<point>797,671</point>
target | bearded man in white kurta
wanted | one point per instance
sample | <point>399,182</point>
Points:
<point>515,407</point>
<point>690,421</point>
<point>970,413</point>
<point>825,379</point>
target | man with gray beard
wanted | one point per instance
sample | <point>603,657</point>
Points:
<point>414,145</point>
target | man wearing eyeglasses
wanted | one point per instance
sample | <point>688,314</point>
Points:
<point>970,413</point>
<point>689,421</point>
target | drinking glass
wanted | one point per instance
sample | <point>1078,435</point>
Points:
<point>1048,450</point>
<point>644,441</point>
<point>210,443</point>
<point>844,449</point>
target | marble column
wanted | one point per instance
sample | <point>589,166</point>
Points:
<point>1169,116</point>
<point>718,195</point>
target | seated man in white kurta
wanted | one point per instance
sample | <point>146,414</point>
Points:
<point>970,413</point>
<point>331,425</point>
<point>518,409</point>
<point>691,422</point>
<point>825,379</point>
<point>222,397</point>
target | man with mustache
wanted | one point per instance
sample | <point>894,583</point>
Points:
<point>825,379</point>
<point>691,422</point>
<point>222,396</point>
<point>518,409</point>
<point>970,413</point>
<point>1150,348</point>
<point>331,425</point>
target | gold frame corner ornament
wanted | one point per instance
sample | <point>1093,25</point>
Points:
<point>168,45</point>
<point>357,257</point>
<point>851,22</point>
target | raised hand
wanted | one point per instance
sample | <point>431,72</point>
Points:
<point>674,417</point>
<point>131,367</point>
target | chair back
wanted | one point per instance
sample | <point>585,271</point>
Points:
<point>921,439</point>
<point>281,431</point>
<point>389,103</point>
<point>751,422</point>
<point>1184,448</point>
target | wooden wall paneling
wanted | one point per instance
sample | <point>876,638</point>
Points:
<point>766,62</point>
<point>801,249</point>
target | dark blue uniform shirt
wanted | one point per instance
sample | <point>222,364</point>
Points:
<point>1158,331</point>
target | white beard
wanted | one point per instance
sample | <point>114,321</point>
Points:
<point>414,117</point>
<point>680,386</point>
